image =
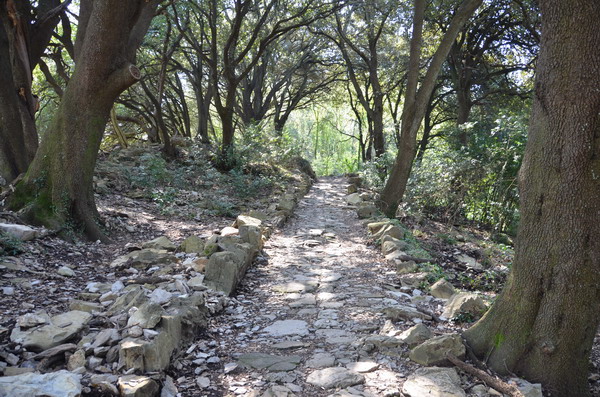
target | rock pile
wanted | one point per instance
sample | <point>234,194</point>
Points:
<point>120,337</point>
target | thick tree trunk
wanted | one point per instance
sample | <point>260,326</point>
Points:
<point>57,189</point>
<point>22,42</point>
<point>543,324</point>
<point>18,136</point>
<point>415,103</point>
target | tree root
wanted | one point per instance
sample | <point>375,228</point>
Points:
<point>493,382</point>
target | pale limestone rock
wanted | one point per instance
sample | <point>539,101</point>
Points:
<point>61,328</point>
<point>53,384</point>
<point>160,243</point>
<point>464,302</point>
<point>137,386</point>
<point>442,289</point>
<point>434,382</point>
<point>269,362</point>
<point>353,199</point>
<point>192,244</point>
<point>20,232</point>
<point>415,335</point>
<point>334,377</point>
<point>287,328</point>
<point>433,351</point>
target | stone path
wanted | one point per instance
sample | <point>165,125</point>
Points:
<point>306,320</point>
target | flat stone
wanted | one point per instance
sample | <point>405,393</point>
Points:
<point>321,360</point>
<point>433,351</point>
<point>306,300</point>
<point>402,312</point>
<point>76,360</point>
<point>289,344</point>
<point>66,271</point>
<point>192,245</point>
<point>61,328</point>
<point>442,289</point>
<point>362,366</point>
<point>85,306</point>
<point>366,211</point>
<point>336,336</point>
<point>528,389</point>
<point>292,287</point>
<point>30,320</point>
<point>144,258</point>
<point>269,362</point>
<point>469,261</point>
<point>287,328</point>
<point>160,243</point>
<point>434,382</point>
<point>278,391</point>
<point>20,232</point>
<point>137,386</point>
<point>147,316</point>
<point>334,377</point>
<point>416,335</point>
<point>242,220</point>
<point>197,283</point>
<point>203,382</point>
<point>160,296</point>
<point>464,302</point>
<point>353,199</point>
<point>53,384</point>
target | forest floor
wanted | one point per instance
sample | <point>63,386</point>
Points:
<point>310,309</point>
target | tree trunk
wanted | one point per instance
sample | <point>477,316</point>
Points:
<point>18,136</point>
<point>415,103</point>
<point>23,39</point>
<point>57,189</point>
<point>543,324</point>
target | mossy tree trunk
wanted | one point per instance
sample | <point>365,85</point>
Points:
<point>57,190</point>
<point>543,324</point>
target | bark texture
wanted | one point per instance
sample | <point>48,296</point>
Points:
<point>415,102</point>
<point>57,189</point>
<point>543,324</point>
<point>23,38</point>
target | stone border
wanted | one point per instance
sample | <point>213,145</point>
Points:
<point>141,324</point>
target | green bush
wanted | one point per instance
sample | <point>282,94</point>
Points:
<point>10,245</point>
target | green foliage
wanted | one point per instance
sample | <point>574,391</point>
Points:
<point>223,208</point>
<point>153,172</point>
<point>478,183</point>
<point>327,137</point>
<point>10,245</point>
<point>373,173</point>
<point>435,272</point>
<point>164,198</point>
<point>248,186</point>
<point>464,317</point>
<point>486,281</point>
<point>447,238</point>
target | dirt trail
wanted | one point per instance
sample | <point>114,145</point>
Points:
<point>299,323</point>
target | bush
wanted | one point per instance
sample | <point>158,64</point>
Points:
<point>10,245</point>
<point>478,183</point>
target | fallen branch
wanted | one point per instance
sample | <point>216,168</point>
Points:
<point>493,382</point>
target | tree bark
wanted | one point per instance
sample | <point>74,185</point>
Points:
<point>57,189</point>
<point>415,103</point>
<point>543,324</point>
<point>23,39</point>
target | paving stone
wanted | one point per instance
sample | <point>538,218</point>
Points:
<point>334,377</point>
<point>287,328</point>
<point>269,362</point>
